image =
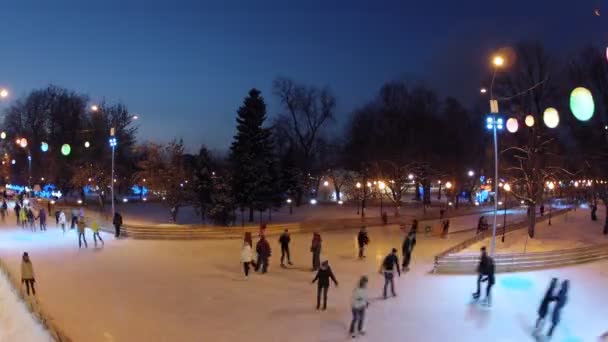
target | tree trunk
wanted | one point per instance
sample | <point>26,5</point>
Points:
<point>250,214</point>
<point>397,208</point>
<point>606,223</point>
<point>337,192</point>
<point>531,220</point>
<point>439,192</point>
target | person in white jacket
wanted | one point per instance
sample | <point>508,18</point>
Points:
<point>246,257</point>
<point>27,273</point>
<point>359,304</point>
<point>62,220</point>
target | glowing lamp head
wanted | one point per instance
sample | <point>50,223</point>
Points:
<point>44,147</point>
<point>581,104</point>
<point>483,90</point>
<point>498,61</point>
<point>3,135</point>
<point>448,185</point>
<point>358,185</point>
<point>529,121</point>
<point>313,201</point>
<point>512,125</point>
<point>471,173</point>
<point>94,108</point>
<point>125,200</point>
<point>87,144</point>
<point>66,149</point>
<point>551,117</point>
<point>410,176</point>
<point>340,202</point>
<point>13,162</point>
<point>381,185</point>
<point>326,183</point>
<point>79,201</point>
<point>3,93</point>
<point>506,187</point>
<point>113,142</point>
<point>289,200</point>
<point>23,142</point>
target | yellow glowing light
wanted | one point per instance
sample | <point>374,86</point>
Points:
<point>529,120</point>
<point>498,61</point>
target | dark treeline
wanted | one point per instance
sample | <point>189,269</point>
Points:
<point>406,135</point>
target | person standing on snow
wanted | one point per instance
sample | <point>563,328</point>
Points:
<point>117,222</point>
<point>62,220</point>
<point>323,275</point>
<point>362,241</point>
<point>359,304</point>
<point>390,263</point>
<point>246,257</point>
<point>95,229</point>
<point>81,236</point>
<point>27,273</point>
<point>544,305</point>
<point>264,251</point>
<point>315,249</point>
<point>407,248</point>
<point>42,218</point>
<point>284,240</point>
<point>560,302</point>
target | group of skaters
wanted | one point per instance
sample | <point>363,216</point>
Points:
<point>486,270</point>
<point>324,273</point>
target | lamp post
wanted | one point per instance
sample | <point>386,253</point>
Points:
<point>358,186</point>
<point>113,144</point>
<point>381,187</point>
<point>494,123</point>
<point>448,186</point>
<point>290,202</point>
<point>551,186</point>
<point>506,188</point>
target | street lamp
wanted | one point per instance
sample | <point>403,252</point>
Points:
<point>381,186</point>
<point>359,203</point>
<point>471,173</point>
<point>113,143</point>
<point>94,108</point>
<point>506,188</point>
<point>289,201</point>
<point>3,93</point>
<point>551,186</point>
<point>494,123</point>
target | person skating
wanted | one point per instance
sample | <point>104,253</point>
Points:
<point>560,302</point>
<point>264,251</point>
<point>414,226</point>
<point>481,269</point>
<point>117,222</point>
<point>62,220</point>
<point>544,304</point>
<point>390,263</point>
<point>284,240</point>
<point>359,304</point>
<point>407,248</point>
<point>246,257</point>
<point>594,212</point>
<point>95,229</point>
<point>490,270</point>
<point>4,209</point>
<point>23,217</point>
<point>17,209</point>
<point>362,240</point>
<point>30,219</point>
<point>323,275</point>
<point>42,218</point>
<point>315,249</point>
<point>57,213</point>
<point>27,273</point>
<point>81,236</point>
<point>74,218</point>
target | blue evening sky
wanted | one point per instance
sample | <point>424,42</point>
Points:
<point>185,66</point>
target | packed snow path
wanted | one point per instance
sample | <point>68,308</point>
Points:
<point>194,291</point>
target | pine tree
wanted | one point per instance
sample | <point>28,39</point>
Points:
<point>203,182</point>
<point>252,159</point>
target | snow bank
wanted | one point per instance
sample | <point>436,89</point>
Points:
<point>16,322</point>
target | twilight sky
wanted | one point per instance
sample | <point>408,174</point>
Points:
<point>185,66</point>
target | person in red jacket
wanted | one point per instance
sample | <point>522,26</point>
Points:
<point>263,250</point>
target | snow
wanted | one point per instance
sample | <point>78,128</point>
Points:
<point>16,322</point>
<point>134,290</point>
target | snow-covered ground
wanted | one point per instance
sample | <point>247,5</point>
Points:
<point>16,322</point>
<point>134,290</point>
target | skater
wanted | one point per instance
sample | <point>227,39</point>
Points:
<point>359,304</point>
<point>414,226</point>
<point>323,276</point>
<point>22,217</point>
<point>95,229</point>
<point>315,248</point>
<point>42,218</point>
<point>246,257</point>
<point>481,269</point>
<point>482,224</point>
<point>594,212</point>
<point>446,228</point>
<point>62,220</point>
<point>264,251</point>
<point>17,211</point>
<point>542,210</point>
<point>544,305</point>
<point>407,248</point>
<point>390,263</point>
<point>27,273</point>
<point>362,240</point>
<point>74,218</point>
<point>57,213</point>
<point>30,219</point>
<point>490,269</point>
<point>117,222</point>
<point>560,302</point>
<point>4,209</point>
<point>284,240</point>
<point>81,236</point>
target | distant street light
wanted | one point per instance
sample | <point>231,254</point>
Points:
<point>3,135</point>
<point>94,108</point>
<point>471,173</point>
<point>483,90</point>
<point>87,144</point>
<point>498,61</point>
<point>529,120</point>
<point>3,93</point>
<point>506,187</point>
<point>289,201</point>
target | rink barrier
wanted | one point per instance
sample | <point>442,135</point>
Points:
<point>34,307</point>
<point>522,224</point>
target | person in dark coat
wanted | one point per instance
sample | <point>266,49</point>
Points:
<point>544,305</point>
<point>490,269</point>
<point>414,226</point>
<point>17,210</point>
<point>263,250</point>
<point>446,228</point>
<point>407,248</point>
<point>390,263</point>
<point>315,249</point>
<point>362,240</point>
<point>284,240</point>
<point>117,222</point>
<point>542,210</point>
<point>481,269</point>
<point>323,275</point>
<point>594,212</point>
<point>560,302</point>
